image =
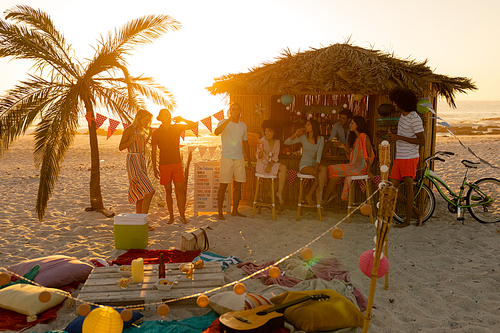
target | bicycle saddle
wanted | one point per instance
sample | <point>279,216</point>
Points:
<point>470,164</point>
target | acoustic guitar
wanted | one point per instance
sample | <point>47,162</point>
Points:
<point>262,319</point>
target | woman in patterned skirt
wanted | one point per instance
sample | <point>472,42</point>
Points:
<point>135,138</point>
<point>359,148</point>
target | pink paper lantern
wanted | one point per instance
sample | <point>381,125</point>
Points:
<point>366,264</point>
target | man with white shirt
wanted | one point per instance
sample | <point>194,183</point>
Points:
<point>409,136</point>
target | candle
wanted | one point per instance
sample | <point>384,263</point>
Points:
<point>137,270</point>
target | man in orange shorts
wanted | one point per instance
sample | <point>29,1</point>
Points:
<point>167,138</point>
<point>410,135</point>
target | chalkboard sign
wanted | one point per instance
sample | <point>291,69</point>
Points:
<point>206,186</point>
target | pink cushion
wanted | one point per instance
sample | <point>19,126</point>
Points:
<point>55,271</point>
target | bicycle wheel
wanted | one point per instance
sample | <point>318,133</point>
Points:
<point>425,201</point>
<point>487,188</point>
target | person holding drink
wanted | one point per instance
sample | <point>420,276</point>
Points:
<point>312,149</point>
<point>268,149</point>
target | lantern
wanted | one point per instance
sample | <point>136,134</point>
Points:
<point>366,261</point>
<point>202,301</point>
<point>424,106</point>
<point>337,233</point>
<point>4,278</point>
<point>307,253</point>
<point>286,99</point>
<point>358,97</point>
<point>274,272</point>
<point>104,320</point>
<point>239,288</point>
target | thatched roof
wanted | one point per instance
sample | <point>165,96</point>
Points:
<point>341,68</point>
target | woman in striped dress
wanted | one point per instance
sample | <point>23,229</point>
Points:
<point>135,138</point>
<point>361,156</point>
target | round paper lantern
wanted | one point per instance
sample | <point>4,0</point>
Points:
<point>202,301</point>
<point>424,106</point>
<point>358,97</point>
<point>366,264</point>
<point>299,113</point>
<point>44,296</point>
<point>384,143</point>
<point>366,209</point>
<point>126,314</point>
<point>239,288</point>
<point>337,233</point>
<point>104,319</point>
<point>83,309</point>
<point>163,310</point>
<point>323,115</point>
<point>4,278</point>
<point>288,108</point>
<point>286,99</point>
<point>307,253</point>
<point>274,272</point>
<point>384,168</point>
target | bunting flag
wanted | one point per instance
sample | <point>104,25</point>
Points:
<point>153,129</point>
<point>219,115</point>
<point>195,130</point>
<point>292,175</point>
<point>212,151</point>
<point>100,119</point>
<point>208,123</point>
<point>202,150</point>
<point>112,127</point>
<point>191,149</point>
<point>183,135</point>
<point>89,117</point>
<point>125,125</point>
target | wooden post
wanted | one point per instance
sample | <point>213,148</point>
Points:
<point>388,197</point>
<point>384,157</point>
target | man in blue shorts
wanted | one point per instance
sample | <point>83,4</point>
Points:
<point>234,141</point>
<point>410,135</point>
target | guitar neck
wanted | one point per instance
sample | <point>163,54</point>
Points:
<point>287,304</point>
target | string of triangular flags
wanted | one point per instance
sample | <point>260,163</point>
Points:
<point>113,124</point>
<point>203,150</point>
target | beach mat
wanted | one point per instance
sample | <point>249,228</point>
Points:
<point>152,256</point>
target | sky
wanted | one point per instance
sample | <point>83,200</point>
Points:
<point>459,38</point>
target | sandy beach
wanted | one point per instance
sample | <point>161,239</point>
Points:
<point>444,276</point>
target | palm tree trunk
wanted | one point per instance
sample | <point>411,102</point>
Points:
<point>96,203</point>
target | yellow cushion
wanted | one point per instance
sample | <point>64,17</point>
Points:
<point>334,313</point>
<point>23,298</point>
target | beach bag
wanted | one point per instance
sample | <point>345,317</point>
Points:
<point>195,240</point>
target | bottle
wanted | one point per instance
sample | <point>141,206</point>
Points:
<point>161,267</point>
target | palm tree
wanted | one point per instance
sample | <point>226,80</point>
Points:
<point>62,88</point>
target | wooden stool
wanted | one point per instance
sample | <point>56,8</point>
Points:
<point>302,176</point>
<point>258,192</point>
<point>350,204</point>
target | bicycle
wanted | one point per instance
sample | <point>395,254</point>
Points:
<point>482,199</point>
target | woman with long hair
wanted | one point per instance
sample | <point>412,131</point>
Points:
<point>312,149</point>
<point>268,150</point>
<point>135,138</point>
<point>359,148</point>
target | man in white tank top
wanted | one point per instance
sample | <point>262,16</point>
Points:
<point>409,136</point>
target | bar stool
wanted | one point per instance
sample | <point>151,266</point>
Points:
<point>302,177</point>
<point>350,204</point>
<point>258,192</point>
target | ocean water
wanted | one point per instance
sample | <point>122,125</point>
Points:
<point>470,113</point>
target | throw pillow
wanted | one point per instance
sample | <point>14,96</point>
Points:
<point>228,301</point>
<point>23,298</point>
<point>331,314</point>
<point>76,325</point>
<point>55,271</point>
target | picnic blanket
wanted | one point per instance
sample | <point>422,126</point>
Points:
<point>224,261</point>
<point>326,269</point>
<point>152,256</point>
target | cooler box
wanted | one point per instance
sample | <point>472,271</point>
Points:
<point>131,231</point>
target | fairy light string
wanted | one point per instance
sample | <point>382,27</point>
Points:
<point>137,306</point>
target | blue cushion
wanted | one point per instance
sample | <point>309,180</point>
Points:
<point>76,325</point>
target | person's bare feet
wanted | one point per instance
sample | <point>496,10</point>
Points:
<point>402,225</point>
<point>238,214</point>
<point>171,220</point>
<point>330,199</point>
<point>280,198</point>
<point>220,217</point>
<point>183,219</point>
<point>310,201</point>
<point>420,219</point>
<point>151,228</point>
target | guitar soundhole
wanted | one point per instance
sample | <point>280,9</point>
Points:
<point>262,313</point>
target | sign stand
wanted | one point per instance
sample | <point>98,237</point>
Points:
<point>206,186</point>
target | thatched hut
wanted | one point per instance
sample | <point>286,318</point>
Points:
<point>324,80</point>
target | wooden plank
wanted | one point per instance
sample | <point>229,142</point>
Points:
<point>101,286</point>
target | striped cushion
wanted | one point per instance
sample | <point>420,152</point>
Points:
<point>254,300</point>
